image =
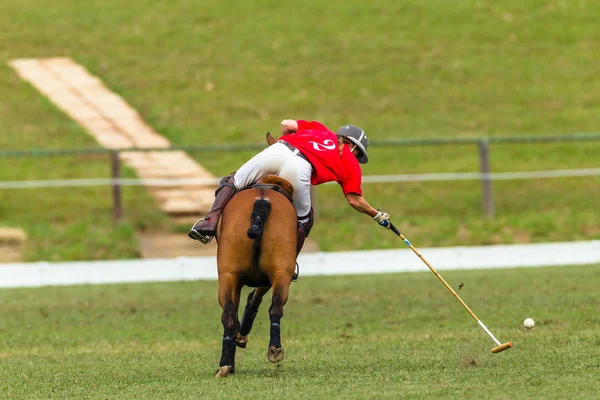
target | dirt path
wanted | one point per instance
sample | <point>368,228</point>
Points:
<point>116,125</point>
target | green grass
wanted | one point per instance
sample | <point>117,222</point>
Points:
<point>403,69</point>
<point>379,336</point>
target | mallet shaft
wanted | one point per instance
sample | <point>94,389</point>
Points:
<point>500,347</point>
<point>488,332</point>
<point>435,272</point>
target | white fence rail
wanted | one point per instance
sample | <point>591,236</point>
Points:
<point>484,176</point>
<point>459,176</point>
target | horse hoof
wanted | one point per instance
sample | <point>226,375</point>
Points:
<point>275,354</point>
<point>223,372</point>
<point>241,341</point>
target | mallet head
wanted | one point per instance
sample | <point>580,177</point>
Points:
<point>502,347</point>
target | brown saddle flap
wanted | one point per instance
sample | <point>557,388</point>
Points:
<point>270,139</point>
<point>278,181</point>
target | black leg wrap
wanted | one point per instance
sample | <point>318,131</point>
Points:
<point>228,352</point>
<point>233,349</point>
<point>248,320</point>
<point>250,312</point>
<point>275,334</point>
<point>275,315</point>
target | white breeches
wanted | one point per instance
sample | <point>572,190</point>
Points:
<point>278,160</point>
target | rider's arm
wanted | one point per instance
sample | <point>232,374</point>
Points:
<point>360,204</point>
<point>351,188</point>
<point>289,126</point>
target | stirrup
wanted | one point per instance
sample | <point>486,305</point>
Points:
<point>194,234</point>
<point>296,273</point>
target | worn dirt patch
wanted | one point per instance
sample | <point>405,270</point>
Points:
<point>12,244</point>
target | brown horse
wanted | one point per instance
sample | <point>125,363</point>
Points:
<point>257,236</point>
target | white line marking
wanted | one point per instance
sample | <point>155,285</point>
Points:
<point>311,264</point>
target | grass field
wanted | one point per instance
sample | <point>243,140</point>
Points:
<point>404,69</point>
<point>381,336</point>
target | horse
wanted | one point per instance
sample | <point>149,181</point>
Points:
<point>256,237</point>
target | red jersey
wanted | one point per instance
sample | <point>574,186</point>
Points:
<point>320,146</point>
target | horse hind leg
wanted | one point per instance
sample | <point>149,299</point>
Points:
<point>254,299</point>
<point>275,353</point>
<point>229,299</point>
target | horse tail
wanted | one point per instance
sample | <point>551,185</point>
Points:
<point>259,216</point>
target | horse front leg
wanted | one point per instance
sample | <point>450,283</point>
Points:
<point>229,299</point>
<point>275,353</point>
<point>254,299</point>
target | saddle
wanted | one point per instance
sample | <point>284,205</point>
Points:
<point>277,183</point>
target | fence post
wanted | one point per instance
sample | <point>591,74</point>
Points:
<point>115,165</point>
<point>486,180</point>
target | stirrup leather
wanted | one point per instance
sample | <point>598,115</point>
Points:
<point>194,234</point>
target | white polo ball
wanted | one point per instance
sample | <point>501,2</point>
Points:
<point>528,323</point>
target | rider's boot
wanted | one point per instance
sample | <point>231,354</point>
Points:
<point>205,229</point>
<point>305,224</point>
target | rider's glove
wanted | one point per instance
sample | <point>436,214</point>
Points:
<point>382,219</point>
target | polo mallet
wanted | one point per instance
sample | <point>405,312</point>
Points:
<point>500,346</point>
